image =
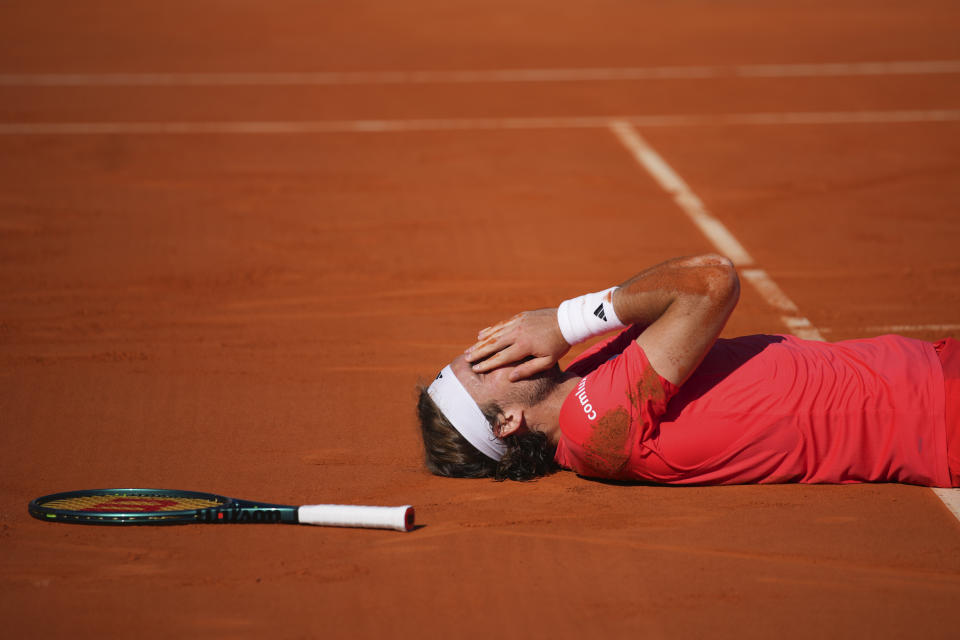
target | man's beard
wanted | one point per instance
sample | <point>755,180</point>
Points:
<point>537,388</point>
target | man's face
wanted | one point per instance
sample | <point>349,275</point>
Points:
<point>495,386</point>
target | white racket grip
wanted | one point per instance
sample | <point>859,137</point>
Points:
<point>344,515</point>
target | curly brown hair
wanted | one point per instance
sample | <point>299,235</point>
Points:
<point>529,455</point>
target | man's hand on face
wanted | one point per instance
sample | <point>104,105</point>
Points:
<point>531,334</point>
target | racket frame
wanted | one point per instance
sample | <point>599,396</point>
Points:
<point>230,510</point>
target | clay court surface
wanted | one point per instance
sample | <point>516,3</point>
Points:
<point>235,235</point>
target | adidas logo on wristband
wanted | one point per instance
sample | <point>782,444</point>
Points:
<point>578,318</point>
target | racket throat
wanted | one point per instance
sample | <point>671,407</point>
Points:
<point>255,515</point>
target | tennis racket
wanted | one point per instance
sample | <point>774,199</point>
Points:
<point>164,506</point>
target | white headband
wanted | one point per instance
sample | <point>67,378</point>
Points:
<point>464,414</point>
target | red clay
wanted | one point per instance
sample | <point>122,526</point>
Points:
<point>249,315</point>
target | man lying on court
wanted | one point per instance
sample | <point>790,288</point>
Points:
<point>666,401</point>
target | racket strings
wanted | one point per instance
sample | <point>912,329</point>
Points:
<point>130,503</point>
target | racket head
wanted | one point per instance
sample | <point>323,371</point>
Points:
<point>125,506</point>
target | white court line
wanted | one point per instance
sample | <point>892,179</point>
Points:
<point>951,498</point>
<point>713,229</point>
<point>673,184</point>
<point>800,326</point>
<point>282,78</point>
<point>476,124</point>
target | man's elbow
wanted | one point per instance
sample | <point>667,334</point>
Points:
<point>721,279</point>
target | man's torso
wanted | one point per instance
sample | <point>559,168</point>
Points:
<point>761,409</point>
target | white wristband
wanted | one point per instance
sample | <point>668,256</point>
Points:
<point>588,316</point>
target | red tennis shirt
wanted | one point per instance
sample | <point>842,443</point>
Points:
<point>761,409</point>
